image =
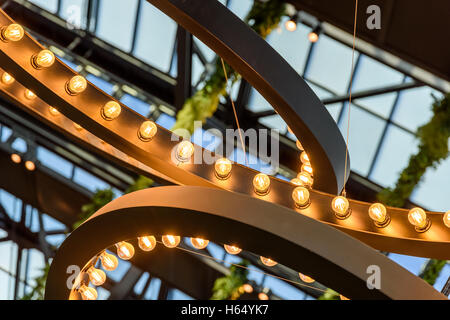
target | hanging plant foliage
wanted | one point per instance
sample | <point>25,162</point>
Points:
<point>433,149</point>
<point>263,18</point>
<point>227,288</point>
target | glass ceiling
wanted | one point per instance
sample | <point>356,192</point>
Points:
<point>381,130</point>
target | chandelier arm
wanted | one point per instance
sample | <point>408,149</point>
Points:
<point>264,68</point>
<point>398,237</point>
<point>49,84</point>
<point>331,257</point>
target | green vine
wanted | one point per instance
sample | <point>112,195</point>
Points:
<point>105,196</point>
<point>432,270</point>
<point>99,199</point>
<point>263,18</point>
<point>37,292</point>
<point>228,287</point>
<point>433,148</point>
<point>330,294</point>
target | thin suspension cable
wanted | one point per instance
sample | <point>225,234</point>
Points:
<point>350,95</point>
<point>244,267</point>
<point>234,111</point>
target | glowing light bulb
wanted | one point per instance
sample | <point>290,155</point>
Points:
<point>53,111</point>
<point>223,168</point>
<point>307,168</point>
<point>147,243</point>
<point>125,250</point>
<point>7,78</point>
<point>343,297</point>
<point>313,37</point>
<point>304,157</point>
<point>299,145</point>
<point>232,249</point>
<point>29,94</point>
<point>378,213</point>
<point>267,261</point>
<point>171,241</point>
<point>77,126</point>
<point>76,85</point>
<point>296,181</point>
<point>305,278</point>
<point>185,149</point>
<point>88,293</point>
<point>290,130</point>
<point>30,165</point>
<point>418,218</point>
<point>43,59</point>
<point>96,276</point>
<point>300,195</point>
<point>341,207</point>
<point>13,32</point>
<point>147,130</point>
<point>16,158</point>
<point>446,219</point>
<point>305,178</point>
<point>247,287</point>
<point>290,25</point>
<point>111,110</point>
<point>261,184</point>
<point>199,243</point>
<point>263,296</point>
<point>109,261</point>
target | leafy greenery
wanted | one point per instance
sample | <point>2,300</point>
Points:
<point>433,148</point>
<point>37,292</point>
<point>105,196</point>
<point>228,287</point>
<point>100,198</point>
<point>330,294</point>
<point>432,270</point>
<point>263,17</point>
<point>140,183</point>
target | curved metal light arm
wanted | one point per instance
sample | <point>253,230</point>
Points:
<point>299,242</point>
<point>49,84</point>
<point>259,64</point>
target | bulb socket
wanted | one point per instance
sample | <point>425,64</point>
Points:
<point>384,223</point>
<point>425,227</point>
<point>344,216</point>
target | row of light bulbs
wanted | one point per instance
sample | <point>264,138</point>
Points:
<point>126,251</point>
<point>29,165</point>
<point>185,149</point>
<point>261,182</point>
<point>291,25</point>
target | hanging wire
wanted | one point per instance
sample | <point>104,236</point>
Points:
<point>235,113</point>
<point>250,269</point>
<point>350,96</point>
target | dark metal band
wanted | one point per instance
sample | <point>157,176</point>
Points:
<point>297,241</point>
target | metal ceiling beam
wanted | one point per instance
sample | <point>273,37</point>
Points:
<point>184,45</point>
<point>46,137</point>
<point>179,210</point>
<point>137,72</point>
<point>419,52</point>
<point>41,24</point>
<point>373,92</point>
